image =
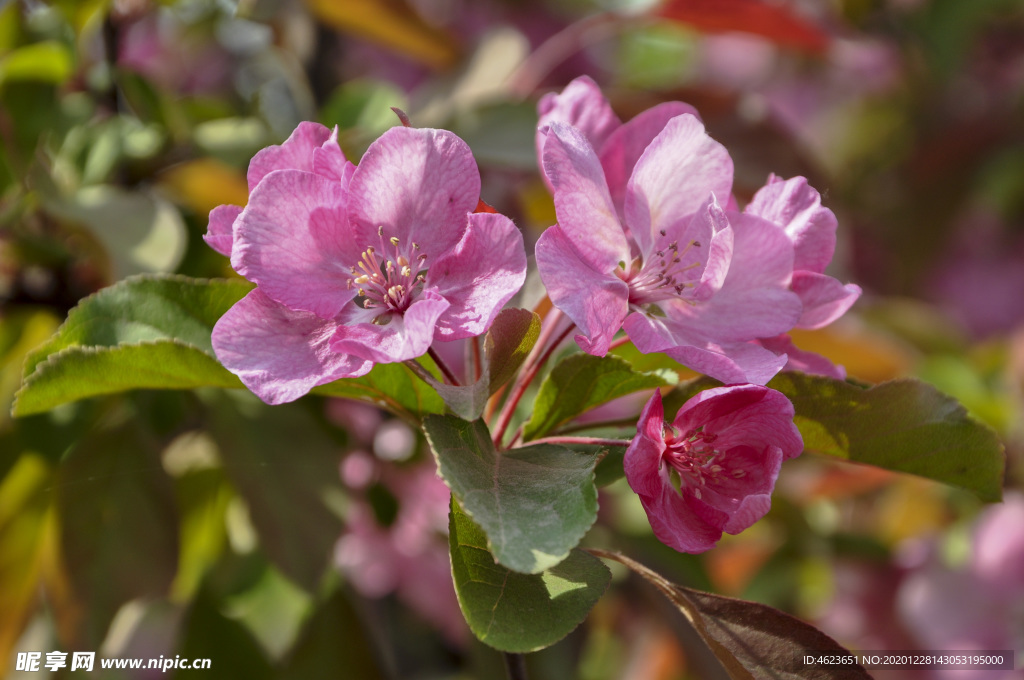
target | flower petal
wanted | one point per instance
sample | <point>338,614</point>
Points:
<point>728,362</point>
<point>754,301</point>
<point>418,184</point>
<point>796,207</point>
<point>219,232</point>
<point>673,177</point>
<point>329,161</point>
<point>824,298</point>
<point>802,360</point>
<point>744,416</point>
<point>642,461</point>
<point>626,144</point>
<point>595,301</point>
<point>582,105</point>
<point>278,353</point>
<point>477,277</point>
<point>584,208</point>
<point>677,522</point>
<point>406,336</point>
<point>293,240</point>
<point>296,153</point>
<point>710,225</point>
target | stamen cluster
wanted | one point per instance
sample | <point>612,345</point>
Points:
<point>391,287</point>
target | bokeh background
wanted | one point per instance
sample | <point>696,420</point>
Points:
<point>308,540</point>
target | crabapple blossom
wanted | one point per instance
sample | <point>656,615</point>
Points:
<point>658,168</point>
<point>714,467</point>
<point>673,268</point>
<point>356,266</point>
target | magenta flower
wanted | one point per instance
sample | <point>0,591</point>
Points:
<point>359,265</point>
<point>713,469</point>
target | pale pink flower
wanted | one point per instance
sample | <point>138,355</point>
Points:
<point>359,265</point>
<point>713,469</point>
<point>665,262</point>
<point>653,173</point>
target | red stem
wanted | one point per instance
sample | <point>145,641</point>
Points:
<point>530,372</point>
<point>447,372</point>
<point>593,441</point>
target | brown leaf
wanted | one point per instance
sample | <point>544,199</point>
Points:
<point>751,640</point>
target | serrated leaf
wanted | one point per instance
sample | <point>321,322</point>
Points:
<point>581,382</point>
<point>506,345</point>
<point>535,503</point>
<point>143,332</point>
<point>520,612</point>
<point>903,425</point>
<point>752,641</point>
<point>390,386</point>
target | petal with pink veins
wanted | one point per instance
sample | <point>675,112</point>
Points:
<point>801,359</point>
<point>479,275</point>
<point>418,184</point>
<point>796,207</point>
<point>296,153</point>
<point>582,105</point>
<point>595,301</point>
<point>584,208</point>
<point>824,298</point>
<point>403,336</point>
<point>279,353</point>
<point>293,241</point>
<point>673,177</point>
<point>219,234</point>
<point>627,143</point>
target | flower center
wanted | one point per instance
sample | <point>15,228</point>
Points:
<point>388,280</point>
<point>662,277</point>
<point>693,457</point>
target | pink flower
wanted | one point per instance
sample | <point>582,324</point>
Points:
<point>359,265</point>
<point>667,263</point>
<point>659,171</point>
<point>713,469</point>
<point>796,207</point>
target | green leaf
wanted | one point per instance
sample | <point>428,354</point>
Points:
<point>390,386</point>
<point>513,334</point>
<point>535,503</point>
<point>520,612</point>
<point>510,339</point>
<point>285,468</point>
<point>143,332</point>
<point>902,425</point>
<point>581,382</point>
<point>752,641</point>
<point>82,372</point>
